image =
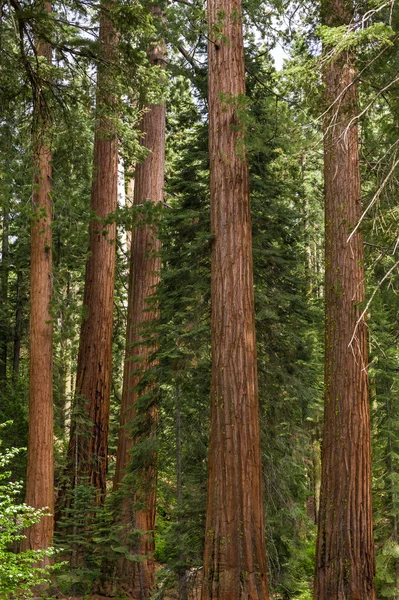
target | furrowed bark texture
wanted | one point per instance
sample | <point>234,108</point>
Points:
<point>345,562</point>
<point>93,377</point>
<point>40,471</point>
<point>235,554</point>
<point>139,492</point>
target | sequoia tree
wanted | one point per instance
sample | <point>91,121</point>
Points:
<point>345,549</point>
<point>139,409</point>
<point>235,554</point>
<point>40,471</point>
<point>88,447</point>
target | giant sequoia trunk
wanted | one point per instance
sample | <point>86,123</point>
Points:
<point>139,410</point>
<point>40,472</point>
<point>345,549</point>
<point>235,555</point>
<point>88,447</point>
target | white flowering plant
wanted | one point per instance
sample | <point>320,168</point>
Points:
<point>19,572</point>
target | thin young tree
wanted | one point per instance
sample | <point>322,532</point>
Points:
<point>4,275</point>
<point>139,403</point>
<point>345,562</point>
<point>235,554</point>
<point>40,471</point>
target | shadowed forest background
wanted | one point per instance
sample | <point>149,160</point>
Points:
<point>105,292</point>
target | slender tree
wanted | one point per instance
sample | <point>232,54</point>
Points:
<point>88,447</point>
<point>4,272</point>
<point>235,554</point>
<point>138,417</point>
<point>18,326</point>
<point>345,549</point>
<point>40,472</point>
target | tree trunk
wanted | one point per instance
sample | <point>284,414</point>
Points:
<point>18,325</point>
<point>316,459</point>
<point>64,363</point>
<point>40,472</point>
<point>93,379</point>
<point>4,270</point>
<point>235,554</point>
<point>129,203</point>
<point>391,476</point>
<point>183,591</point>
<point>139,410</point>
<point>345,562</point>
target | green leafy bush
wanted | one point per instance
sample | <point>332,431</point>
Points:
<point>19,572</point>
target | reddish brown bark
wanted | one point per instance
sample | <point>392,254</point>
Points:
<point>88,447</point>
<point>235,554</point>
<point>345,549</point>
<point>139,498</point>
<point>40,471</point>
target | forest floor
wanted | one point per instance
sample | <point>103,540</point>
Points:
<point>97,597</point>
<point>193,578</point>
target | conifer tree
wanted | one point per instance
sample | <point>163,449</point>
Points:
<point>4,276</point>
<point>235,554</point>
<point>88,446</point>
<point>40,471</point>
<point>345,562</point>
<point>139,409</point>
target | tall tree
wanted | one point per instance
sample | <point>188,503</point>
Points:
<point>345,562</point>
<point>235,553</point>
<point>139,409</point>
<point>88,447</point>
<point>18,325</point>
<point>4,268</point>
<point>40,471</point>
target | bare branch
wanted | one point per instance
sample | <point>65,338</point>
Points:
<point>387,274</point>
<point>375,198</point>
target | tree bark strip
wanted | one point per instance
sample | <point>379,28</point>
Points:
<point>18,325</point>
<point>139,493</point>
<point>345,562</point>
<point>93,379</point>
<point>40,471</point>
<point>4,271</point>
<point>235,554</point>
